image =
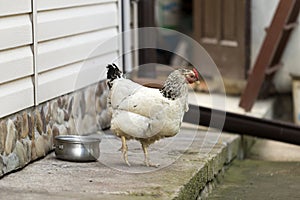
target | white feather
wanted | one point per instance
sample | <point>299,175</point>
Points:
<point>142,112</point>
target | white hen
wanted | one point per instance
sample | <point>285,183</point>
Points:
<point>147,114</point>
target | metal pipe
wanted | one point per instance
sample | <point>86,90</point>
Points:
<point>126,16</point>
<point>35,52</point>
<point>135,27</point>
<point>245,125</point>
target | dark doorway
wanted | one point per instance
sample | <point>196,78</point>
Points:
<point>222,27</point>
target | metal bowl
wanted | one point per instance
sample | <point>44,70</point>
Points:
<point>77,148</point>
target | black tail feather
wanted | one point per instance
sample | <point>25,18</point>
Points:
<point>113,73</point>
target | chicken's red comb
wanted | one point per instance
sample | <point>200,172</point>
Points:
<point>196,73</point>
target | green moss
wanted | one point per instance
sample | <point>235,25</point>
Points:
<point>191,189</point>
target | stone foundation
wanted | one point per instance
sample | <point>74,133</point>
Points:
<point>28,135</point>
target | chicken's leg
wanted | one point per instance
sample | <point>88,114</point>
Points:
<point>147,161</point>
<point>124,150</point>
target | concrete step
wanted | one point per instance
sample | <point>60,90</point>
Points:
<point>188,162</point>
<point>257,179</point>
<point>270,171</point>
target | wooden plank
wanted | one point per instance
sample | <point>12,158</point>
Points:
<point>286,33</point>
<point>149,82</point>
<point>15,64</point>
<point>221,27</point>
<point>210,20</point>
<point>15,31</point>
<point>267,53</point>
<point>9,7</point>
<point>291,26</point>
<point>58,4</point>
<point>146,18</point>
<point>73,77</point>
<point>229,20</point>
<point>56,53</point>
<point>273,69</point>
<point>296,100</point>
<point>66,22</point>
<point>16,96</point>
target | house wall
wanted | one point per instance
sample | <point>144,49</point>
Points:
<point>53,57</point>
<point>29,134</point>
<point>262,13</point>
<point>16,56</point>
<point>49,43</point>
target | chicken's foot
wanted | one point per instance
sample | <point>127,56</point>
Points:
<point>147,160</point>
<point>124,150</point>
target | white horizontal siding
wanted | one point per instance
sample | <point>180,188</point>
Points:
<point>71,51</point>
<point>15,96</point>
<point>56,4</point>
<point>72,77</point>
<point>65,22</point>
<point>15,31</point>
<point>16,63</point>
<point>16,57</point>
<point>73,36</point>
<point>55,53</point>
<point>10,7</point>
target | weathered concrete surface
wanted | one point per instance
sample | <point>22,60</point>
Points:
<point>186,167</point>
<point>258,179</point>
<point>269,150</point>
<point>271,171</point>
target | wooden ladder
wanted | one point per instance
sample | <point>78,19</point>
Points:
<point>269,58</point>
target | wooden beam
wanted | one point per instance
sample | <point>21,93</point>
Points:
<point>271,51</point>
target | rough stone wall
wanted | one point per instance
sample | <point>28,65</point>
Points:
<point>29,134</point>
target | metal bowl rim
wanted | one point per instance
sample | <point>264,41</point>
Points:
<point>77,139</point>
